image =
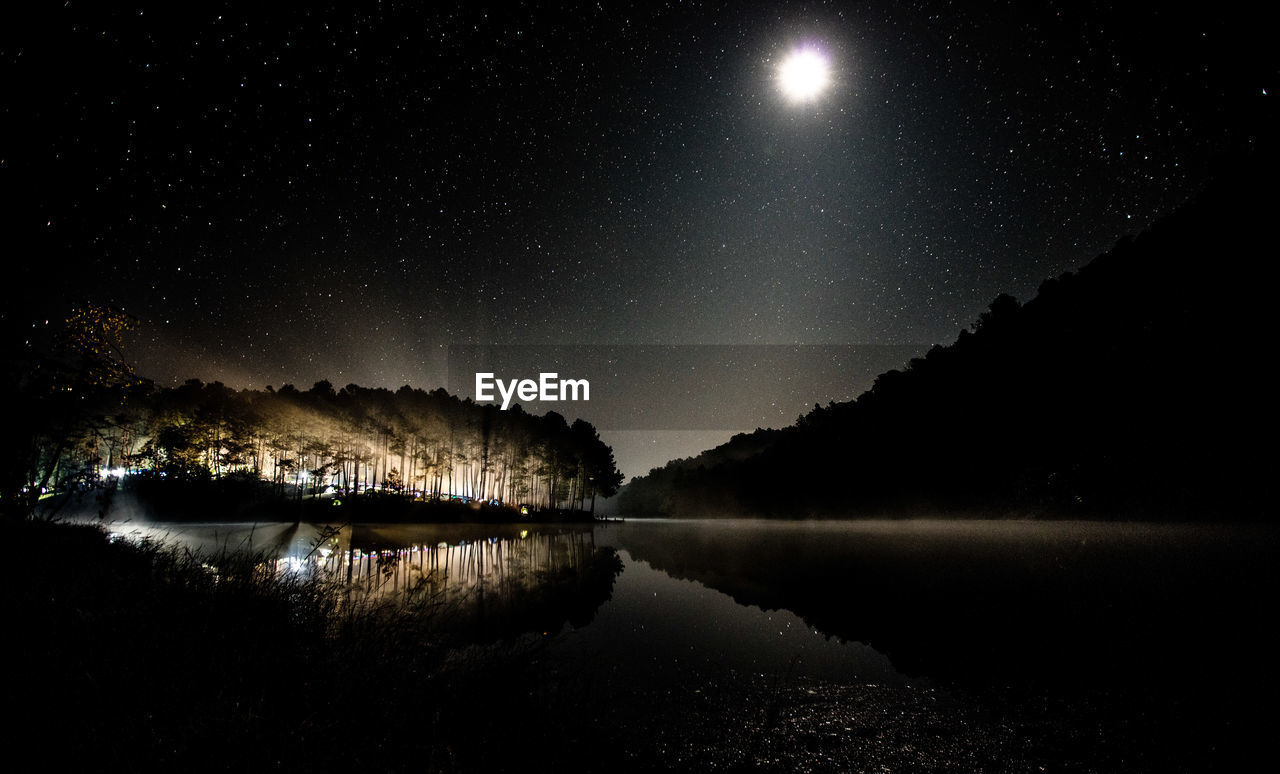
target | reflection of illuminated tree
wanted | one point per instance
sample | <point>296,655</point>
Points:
<point>495,587</point>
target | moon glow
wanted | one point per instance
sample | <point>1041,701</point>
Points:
<point>804,74</point>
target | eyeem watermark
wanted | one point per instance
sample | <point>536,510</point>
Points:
<point>549,387</point>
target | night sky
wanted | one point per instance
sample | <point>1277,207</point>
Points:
<point>285,195</point>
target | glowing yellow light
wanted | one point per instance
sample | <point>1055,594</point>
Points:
<point>804,74</point>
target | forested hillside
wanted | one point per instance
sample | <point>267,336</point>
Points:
<point>1134,386</point>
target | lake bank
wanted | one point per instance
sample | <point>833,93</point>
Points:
<point>241,501</point>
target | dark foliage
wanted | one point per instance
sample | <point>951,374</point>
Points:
<point>1134,386</point>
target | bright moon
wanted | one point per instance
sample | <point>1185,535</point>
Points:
<point>803,74</point>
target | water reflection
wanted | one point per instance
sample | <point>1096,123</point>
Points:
<point>677,629</point>
<point>398,558</point>
<point>617,609</point>
<point>984,601</point>
<point>1148,637</point>
<point>977,601</point>
<point>497,581</point>
<point>492,581</point>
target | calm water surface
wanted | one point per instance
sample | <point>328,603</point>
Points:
<point>857,601</point>
<point>1068,645</point>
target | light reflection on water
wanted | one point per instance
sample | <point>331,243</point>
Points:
<point>650,620</point>
<point>991,602</point>
<point>656,622</point>
<point>440,559</point>
<point>863,602</point>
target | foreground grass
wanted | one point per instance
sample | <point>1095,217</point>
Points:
<point>142,657</point>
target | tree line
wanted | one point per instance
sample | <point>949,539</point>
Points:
<point>1132,387</point>
<point>80,417</point>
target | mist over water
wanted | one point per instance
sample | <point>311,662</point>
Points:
<point>1096,642</point>
<point>861,601</point>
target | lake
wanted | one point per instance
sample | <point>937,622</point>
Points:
<point>837,645</point>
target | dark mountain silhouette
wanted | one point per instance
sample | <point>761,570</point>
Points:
<point>1132,387</point>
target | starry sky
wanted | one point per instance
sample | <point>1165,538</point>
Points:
<point>282,194</point>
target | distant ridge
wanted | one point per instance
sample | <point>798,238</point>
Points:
<point>1131,388</point>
